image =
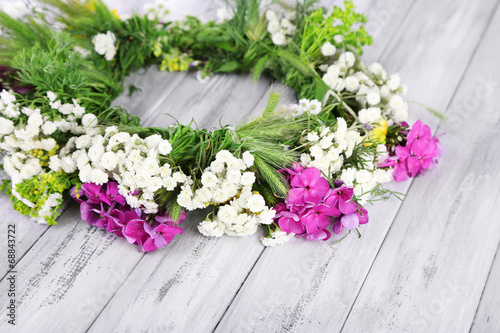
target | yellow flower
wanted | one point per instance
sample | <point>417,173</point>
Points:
<point>377,134</point>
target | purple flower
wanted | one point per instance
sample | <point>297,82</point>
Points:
<point>419,131</point>
<point>113,195</point>
<point>89,214</point>
<point>94,194</point>
<point>351,221</point>
<point>316,220</point>
<point>398,162</point>
<point>134,230</point>
<point>308,187</point>
<point>341,199</point>
<point>160,236</point>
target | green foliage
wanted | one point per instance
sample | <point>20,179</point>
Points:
<point>37,190</point>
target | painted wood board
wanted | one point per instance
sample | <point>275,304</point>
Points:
<point>433,265</point>
<point>317,296</point>
<point>487,318</point>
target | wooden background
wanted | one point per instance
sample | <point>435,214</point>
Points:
<point>426,264</point>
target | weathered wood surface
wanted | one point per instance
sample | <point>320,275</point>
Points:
<point>421,265</point>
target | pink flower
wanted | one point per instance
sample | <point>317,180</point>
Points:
<point>160,236</point>
<point>351,221</point>
<point>420,153</point>
<point>308,187</point>
<point>341,199</point>
<point>398,162</point>
<point>317,219</point>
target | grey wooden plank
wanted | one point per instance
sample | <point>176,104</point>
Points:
<point>60,250</point>
<point>314,288</point>
<point>71,271</point>
<point>433,266</point>
<point>487,318</point>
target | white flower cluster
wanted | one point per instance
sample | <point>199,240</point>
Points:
<point>50,202</point>
<point>365,180</point>
<point>130,160</point>
<point>378,93</point>
<point>16,9</point>
<point>312,106</point>
<point>227,184</point>
<point>329,149</point>
<point>104,44</point>
<point>281,27</point>
<point>18,141</point>
<point>277,237</point>
<point>158,9</point>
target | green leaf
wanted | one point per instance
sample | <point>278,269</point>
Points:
<point>321,88</point>
<point>228,67</point>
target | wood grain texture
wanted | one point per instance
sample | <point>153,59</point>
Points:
<point>423,272</point>
<point>432,267</point>
<point>487,318</point>
<point>314,290</point>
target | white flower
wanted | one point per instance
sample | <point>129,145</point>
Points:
<point>352,84</point>
<point>223,156</point>
<point>109,161</point>
<point>211,228</point>
<point>224,14</point>
<point>393,82</point>
<point>68,165</point>
<point>227,214</point>
<point>338,39</point>
<point>315,106</point>
<point>208,179</point>
<point>312,137</point>
<point>373,98</point>
<point>278,38</point>
<point>376,68</point>
<point>273,26</point>
<point>104,44</point>
<point>179,177</point>
<point>6,126</point>
<point>369,115</point>
<point>247,178</point>
<point>95,153</point>
<point>16,9</point>
<point>346,60</point>
<point>66,108</point>
<point>51,96</point>
<point>401,115</point>
<point>328,49</point>
<point>49,127</point>
<point>256,203</point>
<point>277,237</point>
<point>164,147</point>
<point>271,16</point>
<point>248,159</point>
<point>396,102</point>
<point>89,120</point>
<point>55,163</point>
<point>363,176</point>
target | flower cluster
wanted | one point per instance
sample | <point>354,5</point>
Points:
<point>104,207</point>
<point>104,44</point>
<point>25,136</point>
<point>328,149</point>
<point>157,10</point>
<point>312,106</point>
<point>420,152</point>
<point>312,206</point>
<point>281,27</point>
<point>135,163</point>
<point>227,185</point>
<point>378,94</point>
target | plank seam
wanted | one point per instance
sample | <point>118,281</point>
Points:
<point>466,69</point>
<point>484,288</point>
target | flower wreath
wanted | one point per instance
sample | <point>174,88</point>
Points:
<point>301,169</point>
